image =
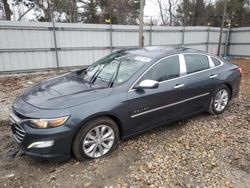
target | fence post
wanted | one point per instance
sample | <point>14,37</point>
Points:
<point>150,35</point>
<point>183,35</point>
<point>150,31</point>
<point>208,38</point>
<point>110,33</point>
<point>111,38</point>
<point>55,43</point>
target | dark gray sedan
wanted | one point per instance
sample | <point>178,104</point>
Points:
<point>88,111</point>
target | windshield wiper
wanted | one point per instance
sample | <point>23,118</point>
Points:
<point>92,79</point>
<point>115,75</point>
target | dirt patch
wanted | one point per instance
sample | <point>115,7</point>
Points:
<point>200,151</point>
<point>245,84</point>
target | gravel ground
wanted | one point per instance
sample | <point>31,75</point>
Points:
<point>201,151</point>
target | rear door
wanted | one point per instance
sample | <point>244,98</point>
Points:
<point>200,81</point>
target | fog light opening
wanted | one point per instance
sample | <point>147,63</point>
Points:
<point>41,144</point>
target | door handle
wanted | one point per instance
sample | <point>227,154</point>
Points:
<point>213,76</point>
<point>178,86</point>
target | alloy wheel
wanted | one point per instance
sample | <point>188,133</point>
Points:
<point>221,100</point>
<point>98,141</point>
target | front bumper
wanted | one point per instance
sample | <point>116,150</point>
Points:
<point>25,136</point>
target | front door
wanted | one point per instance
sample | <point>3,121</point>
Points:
<point>151,107</point>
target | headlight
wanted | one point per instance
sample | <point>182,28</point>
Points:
<point>47,123</point>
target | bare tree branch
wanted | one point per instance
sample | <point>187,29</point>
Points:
<point>161,12</point>
<point>20,17</point>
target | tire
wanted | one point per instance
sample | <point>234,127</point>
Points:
<point>87,139</point>
<point>213,106</point>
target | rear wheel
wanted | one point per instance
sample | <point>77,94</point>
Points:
<point>220,100</point>
<point>95,139</point>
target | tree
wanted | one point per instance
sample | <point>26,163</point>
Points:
<point>236,12</point>
<point>61,10</point>
<point>87,11</point>
<point>199,12</point>
<point>2,13</point>
<point>45,10</point>
<point>163,19</point>
<point>7,10</point>
<point>122,11</point>
<point>185,11</point>
<point>90,14</point>
<point>71,10</point>
<point>170,11</point>
<point>167,11</point>
<point>195,12</point>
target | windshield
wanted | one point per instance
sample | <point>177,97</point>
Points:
<point>113,69</point>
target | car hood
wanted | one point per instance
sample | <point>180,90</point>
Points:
<point>63,92</point>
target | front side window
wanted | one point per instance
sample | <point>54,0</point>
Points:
<point>166,69</point>
<point>127,68</point>
<point>113,69</point>
<point>196,62</point>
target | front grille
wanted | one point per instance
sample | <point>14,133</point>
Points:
<point>17,129</point>
<point>18,133</point>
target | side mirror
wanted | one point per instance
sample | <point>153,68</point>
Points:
<point>148,84</point>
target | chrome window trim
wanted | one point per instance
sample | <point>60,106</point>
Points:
<point>211,68</point>
<point>169,105</point>
<point>211,63</point>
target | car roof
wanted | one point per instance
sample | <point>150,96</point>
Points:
<point>159,51</point>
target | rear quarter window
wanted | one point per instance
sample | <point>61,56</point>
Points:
<point>216,61</point>
<point>196,62</point>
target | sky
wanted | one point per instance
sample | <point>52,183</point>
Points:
<point>151,8</point>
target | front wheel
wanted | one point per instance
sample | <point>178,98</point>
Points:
<point>220,100</point>
<point>95,139</point>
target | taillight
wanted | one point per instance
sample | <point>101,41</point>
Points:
<point>240,70</point>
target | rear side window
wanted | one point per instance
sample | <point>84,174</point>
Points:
<point>196,62</point>
<point>166,69</point>
<point>216,61</point>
